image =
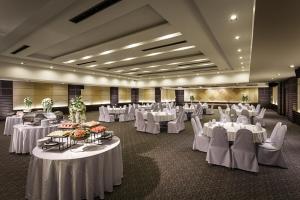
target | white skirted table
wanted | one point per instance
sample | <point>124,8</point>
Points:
<point>116,111</point>
<point>10,122</point>
<point>24,137</point>
<point>259,134</point>
<point>161,116</point>
<point>73,174</point>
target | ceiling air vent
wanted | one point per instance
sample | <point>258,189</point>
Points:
<point>165,45</point>
<point>22,48</point>
<point>93,10</point>
<point>86,62</point>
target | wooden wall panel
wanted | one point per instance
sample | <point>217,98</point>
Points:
<point>157,94</point>
<point>167,95</point>
<point>94,95</point>
<point>39,91</point>
<point>124,95</point>
<point>147,95</point>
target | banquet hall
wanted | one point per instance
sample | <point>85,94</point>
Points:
<point>149,99</point>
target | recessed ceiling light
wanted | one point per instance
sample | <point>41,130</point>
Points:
<point>74,70</point>
<point>127,59</point>
<point>292,66</point>
<point>51,67</point>
<point>241,57</point>
<point>135,68</point>
<point>130,73</point>
<point>22,63</point>
<point>154,54</point>
<point>119,71</point>
<point>86,57</point>
<point>107,52</point>
<point>162,69</point>
<point>153,66</point>
<point>182,67</point>
<point>272,78</point>
<point>133,45</point>
<point>218,72</point>
<point>184,48</point>
<point>233,17</point>
<point>199,60</point>
<point>242,63</point>
<point>278,74</point>
<point>165,37</point>
<point>239,50</point>
<point>145,71</point>
<point>91,66</point>
<point>69,61</point>
<point>237,37</point>
<point>109,62</point>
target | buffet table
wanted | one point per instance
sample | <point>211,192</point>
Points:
<point>259,134</point>
<point>24,137</point>
<point>10,122</point>
<point>161,116</point>
<point>73,174</point>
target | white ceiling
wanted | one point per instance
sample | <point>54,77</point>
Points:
<point>203,47</point>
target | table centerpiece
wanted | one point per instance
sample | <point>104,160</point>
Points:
<point>47,104</point>
<point>77,110</point>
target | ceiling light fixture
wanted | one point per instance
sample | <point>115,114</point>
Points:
<point>162,69</point>
<point>133,45</point>
<point>145,71</point>
<point>184,48</point>
<point>91,66</point>
<point>127,59</point>
<point>233,17</point>
<point>118,71</point>
<point>22,63</point>
<point>239,50</point>
<point>69,61</point>
<point>278,74</point>
<point>169,36</point>
<point>135,68</point>
<point>154,54</point>
<point>199,60</point>
<point>86,57</point>
<point>109,62</point>
<point>51,67</point>
<point>241,57</point>
<point>292,66</point>
<point>237,37</point>
<point>242,63</point>
<point>174,63</point>
<point>153,66</point>
<point>107,52</point>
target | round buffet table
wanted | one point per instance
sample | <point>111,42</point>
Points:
<point>24,137</point>
<point>75,175</point>
<point>259,133</point>
<point>161,116</point>
<point>10,122</point>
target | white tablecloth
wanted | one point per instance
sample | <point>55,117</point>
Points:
<point>9,124</point>
<point>116,110</point>
<point>24,137</point>
<point>144,107</point>
<point>161,116</point>
<point>259,136</point>
<point>75,175</point>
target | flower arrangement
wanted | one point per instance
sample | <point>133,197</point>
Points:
<point>77,110</point>
<point>47,104</point>
<point>245,98</point>
<point>27,102</point>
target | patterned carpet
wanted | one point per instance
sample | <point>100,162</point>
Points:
<point>165,167</point>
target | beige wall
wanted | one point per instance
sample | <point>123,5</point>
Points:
<point>124,95</point>
<point>38,91</point>
<point>95,95</point>
<point>221,94</point>
<point>167,95</point>
<point>147,95</point>
<point>275,95</point>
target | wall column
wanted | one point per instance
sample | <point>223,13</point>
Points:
<point>157,94</point>
<point>134,95</point>
<point>74,91</point>
<point>179,97</point>
<point>114,96</point>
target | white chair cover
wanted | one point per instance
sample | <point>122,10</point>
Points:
<point>107,116</point>
<point>124,117</point>
<point>245,113</point>
<point>141,125</point>
<point>210,111</point>
<point>175,126</point>
<point>271,153</point>
<point>200,129</point>
<point>101,114</point>
<point>218,149</point>
<point>201,142</point>
<point>274,132</point>
<point>242,119</point>
<point>243,152</point>
<point>152,126</point>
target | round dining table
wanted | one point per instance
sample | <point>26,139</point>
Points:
<point>252,113</point>
<point>116,111</point>
<point>161,116</point>
<point>81,172</point>
<point>24,137</point>
<point>10,122</point>
<point>259,133</point>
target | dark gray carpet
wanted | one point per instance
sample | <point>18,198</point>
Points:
<point>165,167</point>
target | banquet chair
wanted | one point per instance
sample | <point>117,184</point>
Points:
<point>101,114</point>
<point>131,113</point>
<point>197,119</point>
<point>245,113</point>
<point>210,111</point>
<point>152,126</point>
<point>175,125</point>
<point>107,116</point>
<point>243,151</point>
<point>257,109</point>
<point>136,118</point>
<point>274,132</point>
<point>218,149</point>
<point>260,117</point>
<point>271,153</point>
<point>242,119</point>
<point>201,141</point>
<point>141,124</point>
<point>220,110</point>
<point>225,118</point>
<point>124,116</point>
<point>232,114</point>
